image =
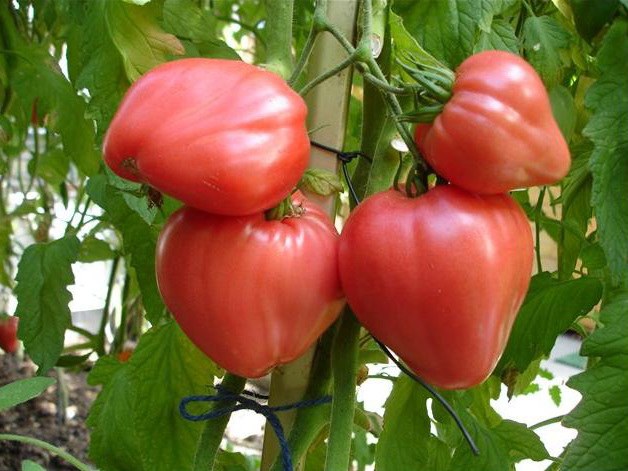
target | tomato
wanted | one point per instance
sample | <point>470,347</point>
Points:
<point>497,131</point>
<point>220,135</point>
<point>8,333</point>
<point>251,293</point>
<point>438,278</point>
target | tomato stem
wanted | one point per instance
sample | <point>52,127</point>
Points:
<point>214,430</point>
<point>309,422</point>
<point>538,210</point>
<point>48,447</point>
<point>344,360</point>
<point>279,36</point>
<point>285,209</point>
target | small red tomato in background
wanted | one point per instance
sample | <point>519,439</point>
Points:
<point>438,278</point>
<point>251,293</point>
<point>8,333</point>
<point>497,131</point>
<point>220,135</point>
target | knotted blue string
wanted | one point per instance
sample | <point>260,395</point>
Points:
<point>242,402</point>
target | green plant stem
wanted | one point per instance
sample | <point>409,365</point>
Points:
<point>120,336</point>
<point>35,158</point>
<point>330,73</point>
<point>537,229</point>
<point>358,54</point>
<point>309,421</point>
<point>279,36</point>
<point>303,58</point>
<point>48,447</point>
<point>384,86</point>
<point>396,111</point>
<point>544,423</point>
<point>214,430</point>
<point>344,366</point>
<point>85,333</point>
<point>336,33</point>
<point>100,348</point>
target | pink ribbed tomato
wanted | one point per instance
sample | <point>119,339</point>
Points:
<point>220,135</point>
<point>251,293</point>
<point>438,278</point>
<point>497,131</point>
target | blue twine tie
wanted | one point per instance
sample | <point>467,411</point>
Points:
<point>242,402</point>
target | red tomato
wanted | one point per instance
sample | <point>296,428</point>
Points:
<point>220,135</point>
<point>497,131</point>
<point>438,278</point>
<point>8,334</point>
<point>249,292</point>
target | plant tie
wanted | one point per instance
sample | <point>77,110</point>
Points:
<point>247,401</point>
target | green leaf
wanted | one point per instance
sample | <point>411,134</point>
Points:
<point>576,213</point>
<point>23,390</point>
<point>139,241</point>
<point>28,465</point>
<point>315,457</point>
<point>320,182</point>
<point>521,442</point>
<point>114,444</point>
<point>53,166</point>
<point>100,68</point>
<point>449,29</point>
<point>406,416</point>
<point>501,36</point>
<point>39,79</point>
<point>543,39</point>
<point>564,110</point>
<point>135,420</point>
<point>69,361</point>
<point>104,370</point>
<point>44,273</point>
<point>548,310</point>
<point>361,451</point>
<point>186,20</point>
<point>404,41</point>
<point>608,129</point>
<point>229,461</point>
<point>556,395</point>
<point>500,446</point>
<point>6,230</point>
<point>591,16</point>
<point>601,417</point>
<point>94,250</point>
<point>593,257</point>
<point>138,37</point>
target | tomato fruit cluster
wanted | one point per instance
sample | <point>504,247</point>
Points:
<point>253,293</point>
<point>8,333</point>
<point>497,131</point>
<point>440,278</point>
<point>222,136</point>
<point>229,140</point>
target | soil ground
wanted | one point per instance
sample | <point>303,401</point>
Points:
<point>39,418</point>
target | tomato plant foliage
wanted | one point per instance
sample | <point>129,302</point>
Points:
<point>65,67</point>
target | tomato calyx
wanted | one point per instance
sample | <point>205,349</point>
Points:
<point>155,197</point>
<point>129,164</point>
<point>285,209</point>
<point>416,182</point>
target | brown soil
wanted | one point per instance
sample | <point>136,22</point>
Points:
<point>38,418</point>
